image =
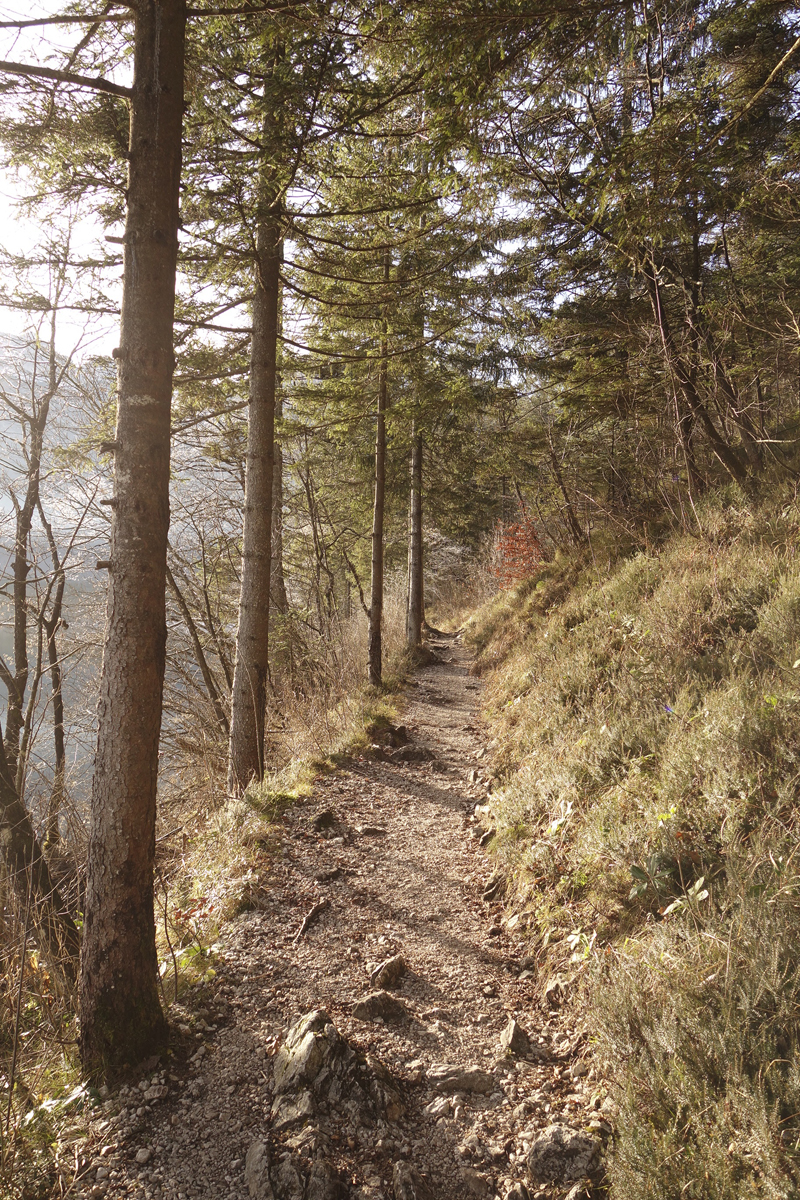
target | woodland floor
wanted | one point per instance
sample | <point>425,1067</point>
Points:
<point>182,1131</point>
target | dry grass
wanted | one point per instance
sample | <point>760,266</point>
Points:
<point>647,732</point>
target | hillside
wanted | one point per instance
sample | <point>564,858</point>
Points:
<point>645,713</point>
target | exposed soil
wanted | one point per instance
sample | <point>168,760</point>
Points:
<point>402,871</point>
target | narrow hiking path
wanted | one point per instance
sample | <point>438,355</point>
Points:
<point>386,863</point>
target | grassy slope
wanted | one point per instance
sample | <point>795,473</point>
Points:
<point>646,714</point>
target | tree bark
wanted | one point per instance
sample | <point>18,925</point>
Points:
<point>280,600</point>
<point>246,753</point>
<point>374,647</point>
<point>415,613</point>
<point>121,1018</point>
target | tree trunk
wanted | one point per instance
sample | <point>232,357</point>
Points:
<point>121,1018</point>
<point>278,596</point>
<point>51,626</point>
<point>278,582</point>
<point>55,804</point>
<point>374,647</point>
<point>27,869</point>
<point>416,594</point>
<point>246,755</point>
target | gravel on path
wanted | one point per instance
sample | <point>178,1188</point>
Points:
<point>384,863</point>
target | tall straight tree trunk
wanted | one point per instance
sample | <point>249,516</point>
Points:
<point>415,613</point>
<point>121,1018</point>
<point>278,595</point>
<point>279,598</point>
<point>374,645</point>
<point>246,754</point>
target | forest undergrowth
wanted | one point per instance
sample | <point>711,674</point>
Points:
<point>645,711</point>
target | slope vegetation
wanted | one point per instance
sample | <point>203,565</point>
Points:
<point>645,707</point>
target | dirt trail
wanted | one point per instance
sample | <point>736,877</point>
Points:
<point>402,872</point>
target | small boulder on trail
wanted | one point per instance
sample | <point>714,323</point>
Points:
<point>448,1077</point>
<point>518,1191</point>
<point>316,1060</point>
<point>325,819</point>
<point>390,972</point>
<point>383,733</point>
<point>561,1155</point>
<point>408,1184</point>
<point>256,1172</point>
<point>308,1046</point>
<point>379,1005</point>
<point>413,753</point>
<point>514,1039</point>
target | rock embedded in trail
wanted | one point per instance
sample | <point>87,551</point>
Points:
<point>561,1154</point>
<point>288,1184</point>
<point>494,886</point>
<point>514,1040</point>
<point>389,972</point>
<point>289,1110</point>
<point>518,1191</point>
<point>408,1184</point>
<point>413,754</point>
<point>256,1172</point>
<point>474,1185</point>
<point>326,819</point>
<point>316,1062</point>
<point>448,1077</point>
<point>309,1044</point>
<point>379,1005</point>
<point>555,994</point>
<point>328,876</point>
<point>324,1183</point>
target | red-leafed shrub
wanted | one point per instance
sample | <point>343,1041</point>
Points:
<point>516,551</point>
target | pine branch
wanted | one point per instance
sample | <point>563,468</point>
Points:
<point>98,84</point>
